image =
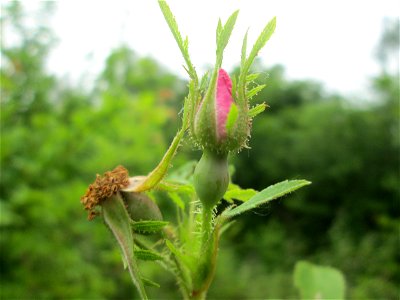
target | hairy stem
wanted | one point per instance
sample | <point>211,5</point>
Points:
<point>206,227</point>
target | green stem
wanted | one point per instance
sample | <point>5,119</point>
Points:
<point>206,227</point>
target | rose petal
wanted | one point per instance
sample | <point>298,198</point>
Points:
<point>223,101</point>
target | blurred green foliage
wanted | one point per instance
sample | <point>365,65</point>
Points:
<point>55,138</point>
<point>318,282</point>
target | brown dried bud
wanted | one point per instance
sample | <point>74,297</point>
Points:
<point>104,187</point>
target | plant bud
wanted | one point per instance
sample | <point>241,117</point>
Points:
<point>220,124</point>
<point>211,178</point>
<point>140,207</point>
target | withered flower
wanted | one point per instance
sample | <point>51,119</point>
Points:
<point>104,187</point>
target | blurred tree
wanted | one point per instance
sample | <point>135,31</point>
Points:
<point>54,139</point>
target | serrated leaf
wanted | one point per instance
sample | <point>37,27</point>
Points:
<point>182,44</point>
<point>234,87</point>
<point>186,44</point>
<point>254,91</point>
<point>117,219</point>
<point>237,193</point>
<point>231,118</point>
<point>148,226</point>
<point>219,30</point>
<point>260,43</point>
<point>254,111</point>
<point>182,259</point>
<point>226,32</point>
<point>270,193</point>
<point>186,111</point>
<point>147,255</point>
<point>244,50</point>
<point>149,282</point>
<point>182,264</point>
<point>203,81</point>
<point>319,282</point>
<point>252,77</point>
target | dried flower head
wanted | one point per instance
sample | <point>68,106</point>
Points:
<point>104,187</point>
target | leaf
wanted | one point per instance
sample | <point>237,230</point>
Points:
<point>173,250</point>
<point>258,109</point>
<point>117,219</point>
<point>270,193</point>
<point>148,226</point>
<point>177,200</point>
<point>234,88</point>
<point>252,77</point>
<point>244,50</point>
<point>259,44</point>
<point>225,34</point>
<point>147,255</point>
<point>182,44</point>
<point>184,173</point>
<point>237,193</point>
<point>203,81</point>
<point>219,30</point>
<point>182,262</point>
<point>149,282</point>
<point>319,282</point>
<point>254,91</point>
<point>232,117</point>
<point>151,180</point>
<point>171,186</point>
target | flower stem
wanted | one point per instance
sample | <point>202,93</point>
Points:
<point>206,227</point>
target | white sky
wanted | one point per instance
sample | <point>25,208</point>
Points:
<point>330,41</point>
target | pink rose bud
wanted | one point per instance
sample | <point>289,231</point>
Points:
<point>220,125</point>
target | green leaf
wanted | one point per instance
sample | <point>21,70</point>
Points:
<point>251,77</point>
<point>244,50</point>
<point>235,192</point>
<point>175,187</point>
<point>182,174</point>
<point>258,109</point>
<point>147,255</point>
<point>177,200</point>
<point>149,282</point>
<point>181,261</point>
<point>260,43</point>
<point>151,180</point>
<point>148,226</point>
<point>225,34</point>
<point>254,91</point>
<point>117,219</point>
<point>203,81</point>
<point>176,252</point>
<point>219,30</point>
<point>232,117</point>
<point>234,88</point>
<point>182,44</point>
<point>270,193</point>
<point>319,282</point>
